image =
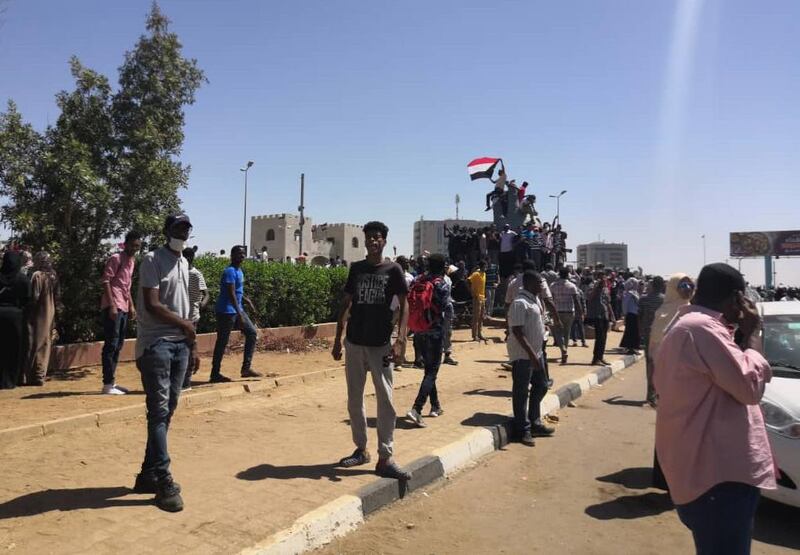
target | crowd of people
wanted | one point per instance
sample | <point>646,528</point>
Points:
<point>704,380</point>
<point>29,295</point>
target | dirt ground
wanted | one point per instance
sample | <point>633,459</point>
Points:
<point>583,491</point>
<point>28,405</point>
<point>248,466</point>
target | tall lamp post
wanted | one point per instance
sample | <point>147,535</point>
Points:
<point>704,248</point>
<point>558,204</point>
<point>244,217</point>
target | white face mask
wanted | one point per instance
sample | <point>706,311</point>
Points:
<point>176,244</point>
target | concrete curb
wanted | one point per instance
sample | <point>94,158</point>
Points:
<point>187,400</point>
<point>344,514</point>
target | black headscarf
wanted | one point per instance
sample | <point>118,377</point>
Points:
<point>14,285</point>
<point>12,262</point>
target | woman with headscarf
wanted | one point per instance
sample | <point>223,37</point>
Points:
<point>41,314</point>
<point>631,341</point>
<point>14,295</point>
<point>679,291</point>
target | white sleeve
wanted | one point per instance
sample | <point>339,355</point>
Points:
<point>148,273</point>
<point>516,314</point>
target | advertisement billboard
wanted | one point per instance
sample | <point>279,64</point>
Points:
<point>765,243</point>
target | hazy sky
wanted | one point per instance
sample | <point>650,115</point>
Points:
<point>664,120</point>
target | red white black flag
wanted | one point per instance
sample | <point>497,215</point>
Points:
<point>482,168</point>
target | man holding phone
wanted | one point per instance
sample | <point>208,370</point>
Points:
<point>710,436</point>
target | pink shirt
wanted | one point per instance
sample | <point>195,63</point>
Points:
<point>118,273</point>
<point>709,426</point>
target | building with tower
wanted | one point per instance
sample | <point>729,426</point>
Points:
<point>281,234</point>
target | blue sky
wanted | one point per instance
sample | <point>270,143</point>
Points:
<point>664,120</point>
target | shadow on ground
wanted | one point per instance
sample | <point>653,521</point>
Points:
<point>330,471</point>
<point>619,401</point>
<point>490,393</point>
<point>629,507</point>
<point>776,524</point>
<point>485,419</point>
<point>68,500</point>
<point>631,478</point>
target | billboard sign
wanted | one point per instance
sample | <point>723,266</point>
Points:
<point>765,243</point>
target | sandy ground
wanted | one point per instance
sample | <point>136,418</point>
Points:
<point>77,391</point>
<point>583,491</point>
<point>248,466</point>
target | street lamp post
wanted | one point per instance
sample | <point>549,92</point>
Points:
<point>558,204</point>
<point>704,249</point>
<point>244,217</point>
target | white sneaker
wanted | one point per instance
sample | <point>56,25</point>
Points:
<point>416,417</point>
<point>122,389</point>
<point>112,390</point>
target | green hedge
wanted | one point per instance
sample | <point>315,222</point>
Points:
<point>283,294</point>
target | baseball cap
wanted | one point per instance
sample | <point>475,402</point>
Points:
<point>174,219</point>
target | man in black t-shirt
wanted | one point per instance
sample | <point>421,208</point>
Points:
<point>371,285</point>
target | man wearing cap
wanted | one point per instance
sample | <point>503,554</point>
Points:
<point>710,435</point>
<point>165,344</point>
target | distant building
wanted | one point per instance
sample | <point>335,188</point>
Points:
<point>612,255</point>
<point>429,234</point>
<point>280,233</point>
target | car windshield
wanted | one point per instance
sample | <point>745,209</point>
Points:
<point>782,342</point>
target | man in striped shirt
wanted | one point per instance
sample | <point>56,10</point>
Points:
<point>198,299</point>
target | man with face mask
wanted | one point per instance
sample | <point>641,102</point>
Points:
<point>165,345</point>
<point>710,435</point>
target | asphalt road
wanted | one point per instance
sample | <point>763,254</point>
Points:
<point>586,490</point>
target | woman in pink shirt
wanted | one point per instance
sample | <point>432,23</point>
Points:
<point>710,435</point>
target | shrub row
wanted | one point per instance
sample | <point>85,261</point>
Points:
<point>283,294</point>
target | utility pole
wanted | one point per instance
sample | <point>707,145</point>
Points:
<point>458,201</point>
<point>244,217</point>
<point>704,248</point>
<point>301,208</point>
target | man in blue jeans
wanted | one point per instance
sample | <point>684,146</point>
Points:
<point>165,344</point>
<point>230,314</point>
<point>117,306</point>
<point>526,327</point>
<point>430,341</point>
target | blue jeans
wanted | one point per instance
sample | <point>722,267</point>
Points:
<point>578,332</point>
<point>162,367</point>
<point>721,520</point>
<point>114,339</point>
<point>490,293</point>
<point>430,348</point>
<point>527,407</point>
<point>226,323</point>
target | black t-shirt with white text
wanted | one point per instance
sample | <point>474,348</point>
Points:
<point>372,288</point>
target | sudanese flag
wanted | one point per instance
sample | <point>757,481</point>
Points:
<point>482,168</point>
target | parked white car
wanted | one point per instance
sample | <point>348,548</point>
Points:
<point>781,401</point>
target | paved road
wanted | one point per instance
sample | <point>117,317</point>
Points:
<point>583,491</point>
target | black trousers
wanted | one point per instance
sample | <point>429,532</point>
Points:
<point>600,335</point>
<point>12,346</point>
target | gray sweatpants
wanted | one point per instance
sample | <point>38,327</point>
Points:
<point>359,360</point>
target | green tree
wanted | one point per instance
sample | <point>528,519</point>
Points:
<point>109,164</point>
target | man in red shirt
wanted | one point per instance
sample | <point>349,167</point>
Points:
<point>117,307</point>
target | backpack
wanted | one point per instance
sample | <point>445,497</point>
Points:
<point>422,310</point>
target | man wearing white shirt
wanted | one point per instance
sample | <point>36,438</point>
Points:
<point>526,335</point>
